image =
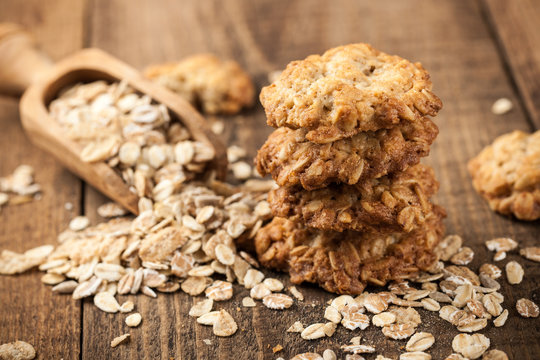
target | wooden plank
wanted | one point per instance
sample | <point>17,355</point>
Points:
<point>30,311</point>
<point>515,24</point>
<point>452,41</point>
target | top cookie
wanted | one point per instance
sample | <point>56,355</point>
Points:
<point>217,86</point>
<point>347,90</point>
<point>507,174</point>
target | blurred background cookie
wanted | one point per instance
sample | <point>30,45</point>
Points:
<point>507,174</point>
<point>214,85</point>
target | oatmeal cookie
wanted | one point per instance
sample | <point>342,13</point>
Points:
<point>293,160</point>
<point>398,202</point>
<point>347,90</point>
<point>217,86</point>
<point>345,262</point>
<point>507,174</point>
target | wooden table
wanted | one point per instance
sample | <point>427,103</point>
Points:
<point>476,51</point>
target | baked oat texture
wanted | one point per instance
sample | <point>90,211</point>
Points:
<point>393,203</point>
<point>346,262</point>
<point>347,90</point>
<point>507,174</point>
<point>217,86</point>
<point>293,160</point>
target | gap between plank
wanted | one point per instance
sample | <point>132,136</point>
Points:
<point>86,42</point>
<point>503,56</point>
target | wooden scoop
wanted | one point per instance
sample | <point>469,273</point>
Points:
<point>23,66</point>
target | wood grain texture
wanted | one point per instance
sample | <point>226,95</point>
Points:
<point>29,311</point>
<point>515,24</point>
<point>451,39</point>
<point>454,44</point>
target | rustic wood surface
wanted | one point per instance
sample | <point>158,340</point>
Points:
<point>476,52</point>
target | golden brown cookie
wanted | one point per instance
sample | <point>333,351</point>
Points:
<point>346,262</point>
<point>507,174</point>
<point>394,203</point>
<point>347,90</point>
<point>293,160</point>
<point>217,86</point>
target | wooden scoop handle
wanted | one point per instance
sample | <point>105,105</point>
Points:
<point>21,62</point>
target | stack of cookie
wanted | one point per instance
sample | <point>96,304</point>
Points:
<point>353,203</point>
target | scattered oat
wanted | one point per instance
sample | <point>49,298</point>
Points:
<point>259,291</point>
<point>241,170</point>
<point>455,357</point>
<point>307,356</point>
<point>219,290</point>
<point>463,257</point>
<point>329,354</point>
<point>501,244</point>
<point>296,327</point>
<point>248,302</point>
<point>79,223</point>
<point>353,317</point>
<point>105,301</point>
<point>470,346</point>
<point>111,209</point>
<point>18,350</point>
<point>235,153</point>
<point>313,331</point>
<point>119,340</point>
<point>375,304</point>
<point>52,279</point>
<point>224,325</point>
<point>332,314</point>
<point>354,357</point>
<point>472,325</point>
<point>527,308</point>
<point>448,247</point>
<point>201,307</point>
<point>296,293</point>
<point>217,127</point>
<point>398,331</point>
<point>195,285</point>
<point>273,284</point>
<point>329,329</point>
<point>499,255</point>
<point>430,304</point>
<point>491,270</point>
<point>501,319</point>
<point>495,355</point>
<point>252,278</point>
<point>358,349</point>
<point>277,348</point>
<point>277,301</point>
<point>492,304</point>
<point>133,320</point>
<point>383,319</point>
<point>531,253</point>
<point>417,295</point>
<point>127,306</point>
<point>440,297</point>
<point>209,318</point>
<point>514,272</point>
<point>501,106</point>
<point>420,341</point>
<point>66,287</point>
<point>464,293</point>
